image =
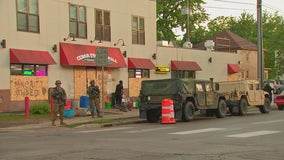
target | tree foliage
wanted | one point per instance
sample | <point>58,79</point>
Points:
<point>169,16</point>
<point>246,26</point>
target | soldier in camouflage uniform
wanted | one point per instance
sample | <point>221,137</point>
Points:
<point>94,97</point>
<point>59,96</point>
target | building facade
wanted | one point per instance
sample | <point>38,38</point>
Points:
<point>45,41</point>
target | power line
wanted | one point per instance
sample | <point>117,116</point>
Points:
<point>266,5</point>
<point>246,3</point>
<point>273,8</point>
<point>226,8</point>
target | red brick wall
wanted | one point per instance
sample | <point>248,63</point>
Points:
<point>6,105</point>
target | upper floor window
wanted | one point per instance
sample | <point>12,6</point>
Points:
<point>28,15</point>
<point>103,29</point>
<point>77,21</point>
<point>138,30</point>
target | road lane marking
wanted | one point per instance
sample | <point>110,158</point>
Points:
<point>198,131</point>
<point>104,130</point>
<point>252,134</point>
<point>264,122</point>
<point>147,130</point>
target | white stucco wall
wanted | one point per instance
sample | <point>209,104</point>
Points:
<point>54,27</point>
<point>217,69</point>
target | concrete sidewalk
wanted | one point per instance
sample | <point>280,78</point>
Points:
<point>118,117</point>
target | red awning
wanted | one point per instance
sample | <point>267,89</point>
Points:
<point>84,55</point>
<point>185,66</point>
<point>141,63</point>
<point>234,68</point>
<point>30,57</point>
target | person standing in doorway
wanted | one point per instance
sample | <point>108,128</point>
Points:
<point>94,98</point>
<point>59,96</point>
<point>118,93</point>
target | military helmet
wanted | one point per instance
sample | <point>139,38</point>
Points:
<point>92,81</point>
<point>58,82</point>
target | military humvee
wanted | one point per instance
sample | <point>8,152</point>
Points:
<point>244,93</point>
<point>188,95</point>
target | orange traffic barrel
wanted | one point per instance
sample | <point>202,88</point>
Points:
<point>168,113</point>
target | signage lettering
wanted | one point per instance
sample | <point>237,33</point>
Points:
<point>91,57</point>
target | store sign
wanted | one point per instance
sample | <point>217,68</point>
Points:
<point>87,57</point>
<point>162,70</point>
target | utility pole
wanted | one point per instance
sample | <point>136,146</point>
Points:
<point>187,44</point>
<point>259,42</point>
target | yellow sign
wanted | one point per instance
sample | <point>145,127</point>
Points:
<point>162,70</point>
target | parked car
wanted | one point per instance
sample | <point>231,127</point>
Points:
<point>277,85</point>
<point>279,101</point>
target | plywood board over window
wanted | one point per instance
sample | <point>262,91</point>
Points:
<point>82,78</point>
<point>135,86</point>
<point>80,82</point>
<point>36,88</point>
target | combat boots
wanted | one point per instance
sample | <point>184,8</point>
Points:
<point>62,123</point>
<point>99,115</point>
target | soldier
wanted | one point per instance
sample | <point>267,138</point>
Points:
<point>59,96</point>
<point>94,97</point>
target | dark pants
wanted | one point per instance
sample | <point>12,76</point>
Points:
<point>118,99</point>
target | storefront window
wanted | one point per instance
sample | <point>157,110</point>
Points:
<point>16,69</point>
<point>183,74</point>
<point>138,73</point>
<point>28,70</point>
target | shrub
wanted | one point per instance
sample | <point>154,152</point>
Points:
<point>41,108</point>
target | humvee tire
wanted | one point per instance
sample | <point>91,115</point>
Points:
<point>243,107</point>
<point>266,106</point>
<point>153,115</point>
<point>221,111</point>
<point>188,112</point>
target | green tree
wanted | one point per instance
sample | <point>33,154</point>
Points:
<point>246,26</point>
<point>169,16</point>
<point>219,24</point>
<point>273,40</point>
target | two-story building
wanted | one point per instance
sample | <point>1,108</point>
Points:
<point>45,41</point>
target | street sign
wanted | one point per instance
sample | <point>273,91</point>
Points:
<point>102,56</point>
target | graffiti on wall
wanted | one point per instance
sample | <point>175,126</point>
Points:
<point>36,88</point>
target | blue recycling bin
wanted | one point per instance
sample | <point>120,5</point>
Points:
<point>84,102</point>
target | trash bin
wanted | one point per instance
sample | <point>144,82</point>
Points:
<point>108,105</point>
<point>112,99</point>
<point>84,102</point>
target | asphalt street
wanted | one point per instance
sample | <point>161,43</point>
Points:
<point>254,136</point>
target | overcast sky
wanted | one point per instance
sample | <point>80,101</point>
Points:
<point>236,7</point>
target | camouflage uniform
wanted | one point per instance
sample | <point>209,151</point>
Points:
<point>59,98</point>
<point>94,98</point>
